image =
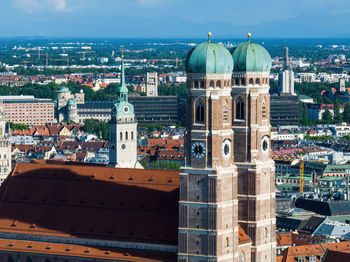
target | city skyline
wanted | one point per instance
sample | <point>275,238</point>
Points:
<point>169,18</point>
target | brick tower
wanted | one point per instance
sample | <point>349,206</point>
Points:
<point>252,154</point>
<point>208,206</point>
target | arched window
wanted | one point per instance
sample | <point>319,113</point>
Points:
<point>225,113</point>
<point>211,84</point>
<point>199,112</point>
<point>258,81</point>
<point>218,84</point>
<point>251,81</point>
<point>121,135</point>
<point>196,84</point>
<point>126,136</point>
<point>240,108</point>
<point>132,135</point>
<point>201,84</point>
<point>242,81</point>
<point>241,257</point>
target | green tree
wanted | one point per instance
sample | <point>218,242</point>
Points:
<point>346,114</point>
<point>327,116</point>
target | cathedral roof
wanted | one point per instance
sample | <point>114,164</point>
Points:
<point>90,201</point>
<point>251,57</point>
<point>209,57</point>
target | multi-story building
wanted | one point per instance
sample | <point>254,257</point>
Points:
<point>286,77</point>
<point>152,84</point>
<point>28,110</point>
<point>162,110</point>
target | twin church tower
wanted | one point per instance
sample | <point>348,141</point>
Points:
<point>228,180</point>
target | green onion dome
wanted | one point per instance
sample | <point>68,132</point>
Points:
<point>251,57</point>
<point>209,57</point>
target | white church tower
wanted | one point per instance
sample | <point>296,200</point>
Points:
<point>123,130</point>
<point>5,148</point>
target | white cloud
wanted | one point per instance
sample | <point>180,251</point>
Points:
<point>59,5</point>
<point>32,6</point>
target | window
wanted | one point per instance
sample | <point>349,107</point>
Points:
<point>242,81</point>
<point>199,112</point>
<point>301,259</point>
<point>126,136</point>
<point>251,81</point>
<point>264,114</point>
<point>218,84</point>
<point>241,257</point>
<point>227,242</point>
<point>258,81</point>
<point>121,135</point>
<point>312,259</point>
<point>132,135</point>
<point>225,113</point>
<point>239,109</point>
<point>211,84</point>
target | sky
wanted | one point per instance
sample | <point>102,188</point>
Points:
<point>175,18</point>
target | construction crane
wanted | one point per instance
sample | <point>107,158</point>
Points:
<point>86,52</point>
<point>301,177</point>
<point>301,169</point>
<point>176,60</point>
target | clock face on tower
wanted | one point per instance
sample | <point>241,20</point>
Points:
<point>265,144</point>
<point>122,147</point>
<point>226,148</point>
<point>198,149</point>
<point>126,109</point>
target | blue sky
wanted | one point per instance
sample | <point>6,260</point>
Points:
<point>175,18</point>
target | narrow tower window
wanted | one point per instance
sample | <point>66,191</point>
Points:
<point>239,109</point>
<point>121,135</point>
<point>199,112</point>
<point>132,135</point>
<point>225,113</point>
<point>126,136</point>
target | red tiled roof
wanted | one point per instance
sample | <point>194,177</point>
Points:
<point>91,202</point>
<point>292,253</point>
<point>65,250</point>
<point>338,256</point>
<point>242,237</point>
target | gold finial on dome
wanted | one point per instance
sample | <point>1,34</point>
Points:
<point>249,35</point>
<point>209,35</point>
<point>122,53</point>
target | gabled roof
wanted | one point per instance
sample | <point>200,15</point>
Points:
<point>79,251</point>
<point>90,201</point>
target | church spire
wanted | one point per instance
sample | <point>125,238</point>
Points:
<point>122,91</point>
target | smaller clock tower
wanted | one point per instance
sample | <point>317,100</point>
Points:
<point>123,130</point>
